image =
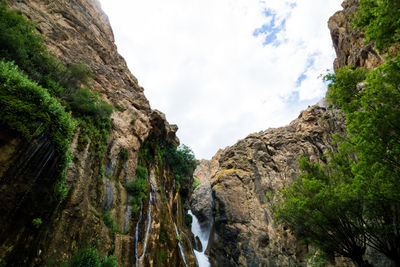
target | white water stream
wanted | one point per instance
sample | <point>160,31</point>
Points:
<point>180,246</point>
<point>204,235</point>
<point>139,260</point>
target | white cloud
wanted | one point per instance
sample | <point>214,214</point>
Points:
<point>201,65</point>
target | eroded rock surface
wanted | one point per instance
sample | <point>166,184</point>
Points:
<point>244,232</point>
<point>349,42</point>
<point>78,31</point>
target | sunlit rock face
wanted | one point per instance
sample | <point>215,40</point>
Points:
<point>349,42</point>
<point>78,31</point>
<point>244,232</point>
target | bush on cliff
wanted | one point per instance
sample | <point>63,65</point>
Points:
<point>137,188</point>
<point>29,109</point>
<point>355,199</point>
<point>89,257</point>
<point>380,22</point>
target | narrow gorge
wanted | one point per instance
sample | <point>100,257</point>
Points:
<point>124,190</point>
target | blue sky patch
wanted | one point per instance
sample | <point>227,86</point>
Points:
<point>301,78</point>
<point>271,29</point>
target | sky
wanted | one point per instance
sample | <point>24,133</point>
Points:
<point>223,69</point>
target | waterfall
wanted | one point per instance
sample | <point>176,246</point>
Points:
<point>137,232</point>
<point>180,246</point>
<point>204,235</point>
<point>139,260</point>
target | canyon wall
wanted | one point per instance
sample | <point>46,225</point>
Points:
<point>78,31</point>
<point>240,177</point>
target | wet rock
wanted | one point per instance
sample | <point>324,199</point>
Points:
<point>201,203</point>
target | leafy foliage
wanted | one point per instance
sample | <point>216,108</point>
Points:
<point>182,161</point>
<point>379,19</point>
<point>196,182</point>
<point>110,222</point>
<point>355,198</point>
<point>37,222</point>
<point>89,257</point>
<point>320,210</point>
<point>20,43</point>
<point>137,188</point>
<point>29,109</point>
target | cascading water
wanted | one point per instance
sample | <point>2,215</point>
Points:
<point>137,232</point>
<point>139,260</point>
<point>180,246</point>
<point>204,235</point>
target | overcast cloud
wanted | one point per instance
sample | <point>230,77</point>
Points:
<point>222,69</point>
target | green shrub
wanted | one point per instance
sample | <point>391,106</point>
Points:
<point>162,237</point>
<point>123,154</point>
<point>196,182</point>
<point>110,222</point>
<point>188,220</point>
<point>20,43</point>
<point>32,109</point>
<point>109,261</point>
<point>380,22</point>
<point>163,256</point>
<point>88,257</point>
<point>86,103</point>
<point>37,222</point>
<point>137,188</point>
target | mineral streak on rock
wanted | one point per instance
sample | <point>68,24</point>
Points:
<point>78,31</point>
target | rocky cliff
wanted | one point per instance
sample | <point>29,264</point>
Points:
<point>241,176</point>
<point>97,211</point>
<point>244,232</point>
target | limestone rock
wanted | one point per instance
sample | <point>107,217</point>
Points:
<point>201,204</point>
<point>349,42</point>
<point>244,232</point>
<point>78,31</point>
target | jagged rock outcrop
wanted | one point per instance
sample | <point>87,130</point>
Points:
<point>244,232</point>
<point>201,202</point>
<point>78,31</point>
<point>349,42</point>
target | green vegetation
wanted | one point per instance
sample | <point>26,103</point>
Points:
<point>137,188</point>
<point>110,222</point>
<point>37,222</point>
<point>182,163</point>
<point>29,109</point>
<point>317,259</point>
<point>354,199</point>
<point>39,93</point>
<point>379,19</point>
<point>179,238</point>
<point>89,257</point>
<point>20,43</point>
<point>162,237</point>
<point>123,154</point>
<point>196,182</point>
<point>188,220</point>
<point>163,256</point>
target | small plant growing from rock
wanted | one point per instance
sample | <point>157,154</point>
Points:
<point>37,222</point>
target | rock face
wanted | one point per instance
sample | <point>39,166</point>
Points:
<point>349,42</point>
<point>244,233</point>
<point>201,202</point>
<point>78,31</point>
